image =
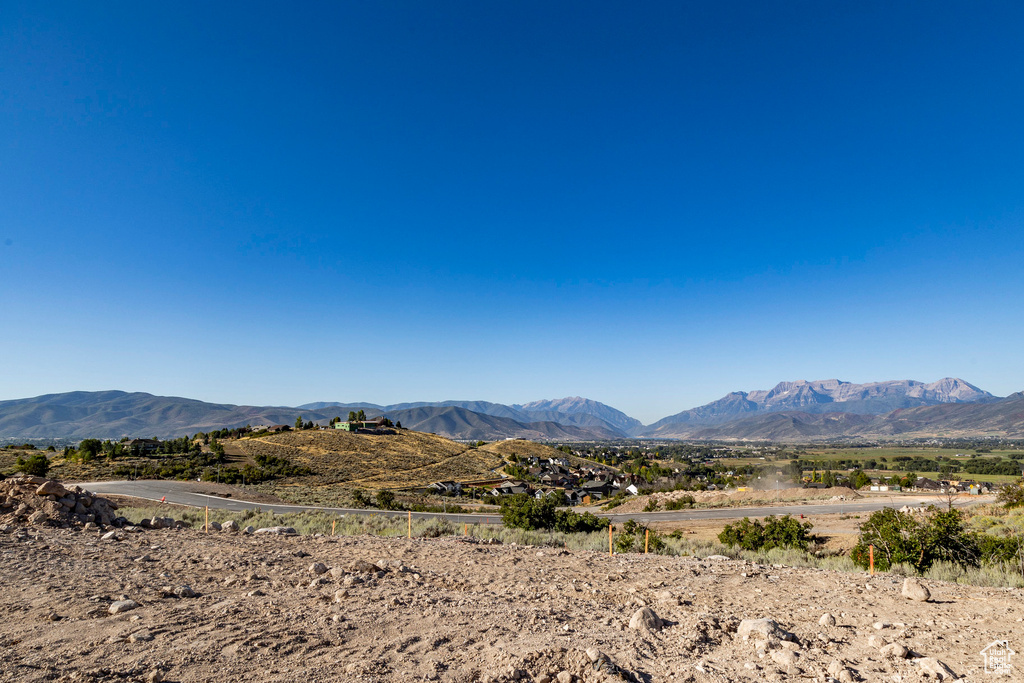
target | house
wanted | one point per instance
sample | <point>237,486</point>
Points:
<point>278,428</point>
<point>446,488</point>
<point>142,446</point>
<point>356,425</point>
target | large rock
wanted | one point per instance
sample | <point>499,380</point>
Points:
<point>277,531</point>
<point>230,525</point>
<point>913,589</point>
<point>763,629</point>
<point>895,651</point>
<point>51,488</point>
<point>936,669</point>
<point>645,619</point>
<point>363,567</point>
<point>122,606</point>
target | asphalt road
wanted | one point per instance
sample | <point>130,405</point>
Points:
<point>177,492</point>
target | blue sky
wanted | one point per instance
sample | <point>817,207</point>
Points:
<point>390,201</point>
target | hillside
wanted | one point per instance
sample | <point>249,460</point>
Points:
<point>403,459</point>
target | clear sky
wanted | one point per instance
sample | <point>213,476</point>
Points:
<point>648,204</point>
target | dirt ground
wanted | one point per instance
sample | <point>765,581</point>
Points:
<point>458,611</point>
<point>733,497</point>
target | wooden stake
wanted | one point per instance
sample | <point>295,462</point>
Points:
<point>647,540</point>
<point>465,529</point>
<point>207,519</point>
<point>410,523</point>
<point>334,524</point>
<point>610,527</point>
<point>871,558</point>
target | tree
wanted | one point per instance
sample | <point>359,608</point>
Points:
<point>900,537</point>
<point>89,449</point>
<point>352,417</point>
<point>37,465</point>
<point>783,532</point>
<point>361,415</point>
<point>385,499</point>
<point>1012,495</point>
<point>298,422</point>
<point>858,479</point>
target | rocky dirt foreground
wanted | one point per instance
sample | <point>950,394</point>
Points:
<point>177,604</point>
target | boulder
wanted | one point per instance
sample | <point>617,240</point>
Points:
<point>827,620</point>
<point>934,668</point>
<point>763,629</point>
<point>230,525</point>
<point>185,592</point>
<point>122,606</point>
<point>277,531</point>
<point>363,567</point>
<point>51,488</point>
<point>913,589</point>
<point>318,568</point>
<point>895,651</point>
<point>645,619</point>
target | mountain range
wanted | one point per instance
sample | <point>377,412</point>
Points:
<point>790,411</point>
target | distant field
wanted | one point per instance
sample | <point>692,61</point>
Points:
<point>888,454</point>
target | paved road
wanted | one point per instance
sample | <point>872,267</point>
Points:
<point>178,492</point>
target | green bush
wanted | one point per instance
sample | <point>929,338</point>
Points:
<point>782,532</point>
<point>900,537</point>
<point>526,512</point>
<point>1012,495</point>
<point>37,465</point>
<point>652,505</point>
<point>633,537</point>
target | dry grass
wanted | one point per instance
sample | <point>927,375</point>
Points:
<point>401,460</point>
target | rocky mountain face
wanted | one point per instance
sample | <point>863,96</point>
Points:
<point>998,417</point>
<point>822,396</point>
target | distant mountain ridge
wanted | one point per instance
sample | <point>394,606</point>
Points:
<point>821,396</point>
<point>116,414</point>
<point>572,411</point>
<point>810,410</point>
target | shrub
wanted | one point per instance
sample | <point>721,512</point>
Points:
<point>1012,495</point>
<point>525,512</point>
<point>37,465</point>
<point>386,500</point>
<point>634,536</point>
<point>652,505</point>
<point>899,537</point>
<point>782,532</point>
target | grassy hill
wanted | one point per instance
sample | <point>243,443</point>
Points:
<point>404,459</point>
